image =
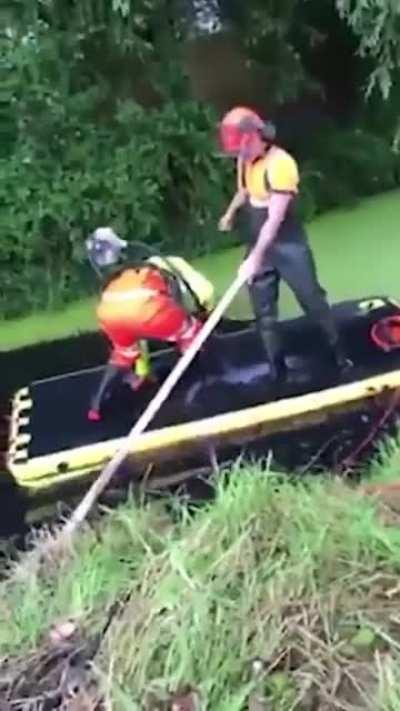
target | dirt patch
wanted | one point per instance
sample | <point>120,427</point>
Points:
<point>59,675</point>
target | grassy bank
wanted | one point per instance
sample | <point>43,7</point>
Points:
<point>302,576</point>
<point>357,251</point>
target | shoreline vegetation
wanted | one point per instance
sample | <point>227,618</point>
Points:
<point>357,252</point>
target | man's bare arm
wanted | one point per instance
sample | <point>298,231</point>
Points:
<point>236,203</point>
<point>277,209</point>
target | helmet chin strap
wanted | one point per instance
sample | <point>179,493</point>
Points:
<point>94,266</point>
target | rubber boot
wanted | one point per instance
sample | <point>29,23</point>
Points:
<point>110,375</point>
<point>333,340</point>
<point>278,371</point>
<point>342,363</point>
<point>274,353</point>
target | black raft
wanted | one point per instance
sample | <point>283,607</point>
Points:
<point>225,412</point>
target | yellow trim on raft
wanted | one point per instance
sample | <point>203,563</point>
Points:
<point>43,471</point>
<point>21,404</point>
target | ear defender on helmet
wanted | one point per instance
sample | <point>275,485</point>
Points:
<point>269,131</point>
<point>250,124</point>
<point>255,133</point>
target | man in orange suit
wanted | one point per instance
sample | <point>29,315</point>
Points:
<point>139,301</point>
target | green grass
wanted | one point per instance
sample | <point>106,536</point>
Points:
<point>303,576</point>
<point>357,252</point>
<point>385,466</point>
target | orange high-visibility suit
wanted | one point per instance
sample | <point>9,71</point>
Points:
<point>137,304</point>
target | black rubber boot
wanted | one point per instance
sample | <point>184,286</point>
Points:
<point>267,329</point>
<point>278,371</point>
<point>342,363</point>
<point>110,374</point>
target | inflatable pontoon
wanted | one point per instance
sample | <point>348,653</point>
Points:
<point>217,414</point>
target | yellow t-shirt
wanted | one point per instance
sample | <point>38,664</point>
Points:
<point>277,171</point>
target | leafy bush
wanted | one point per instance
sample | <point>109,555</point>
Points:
<point>361,160</point>
<point>344,166</point>
<point>151,174</point>
<point>79,151</point>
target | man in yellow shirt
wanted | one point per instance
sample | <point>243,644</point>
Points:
<point>267,186</point>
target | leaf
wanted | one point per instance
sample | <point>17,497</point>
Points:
<point>364,638</point>
<point>122,6</point>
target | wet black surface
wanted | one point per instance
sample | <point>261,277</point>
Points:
<point>45,360</point>
<point>58,419</point>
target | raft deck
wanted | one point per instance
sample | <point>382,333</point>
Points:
<point>52,440</point>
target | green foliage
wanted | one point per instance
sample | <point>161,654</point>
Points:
<point>100,128</point>
<point>377,23</point>
<point>344,166</point>
<point>382,117</point>
<point>151,174</point>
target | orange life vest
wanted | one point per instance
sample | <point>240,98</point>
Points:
<point>134,294</point>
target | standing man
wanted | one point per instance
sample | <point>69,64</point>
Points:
<point>267,186</point>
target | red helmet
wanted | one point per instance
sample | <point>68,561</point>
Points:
<point>242,132</point>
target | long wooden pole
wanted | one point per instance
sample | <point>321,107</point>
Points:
<point>83,508</point>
